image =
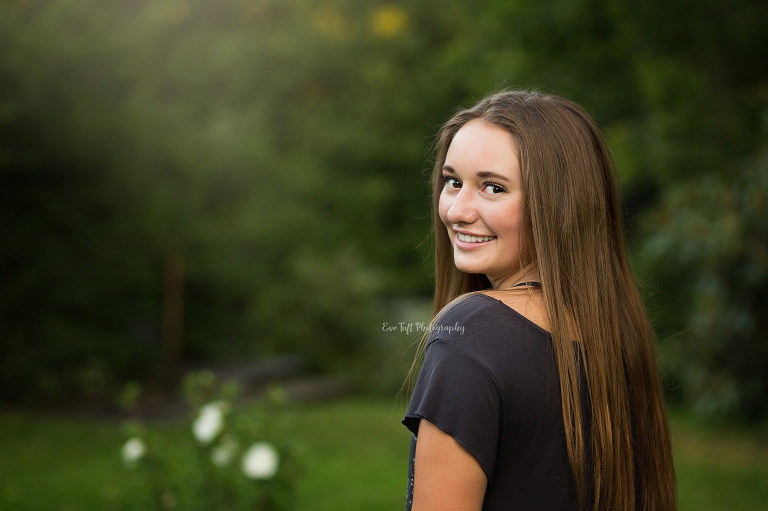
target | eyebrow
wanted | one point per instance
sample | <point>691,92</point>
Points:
<point>484,174</point>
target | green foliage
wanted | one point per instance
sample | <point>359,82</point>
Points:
<point>272,154</point>
<point>165,141</point>
<point>708,242</point>
<point>238,455</point>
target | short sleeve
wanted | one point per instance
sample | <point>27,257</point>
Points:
<point>458,394</point>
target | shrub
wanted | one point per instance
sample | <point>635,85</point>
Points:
<point>239,454</point>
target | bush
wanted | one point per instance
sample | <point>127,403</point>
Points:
<point>710,242</point>
<point>238,456</point>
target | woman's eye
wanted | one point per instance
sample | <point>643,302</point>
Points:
<point>451,182</point>
<point>494,189</point>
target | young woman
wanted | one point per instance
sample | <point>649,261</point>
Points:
<point>539,387</point>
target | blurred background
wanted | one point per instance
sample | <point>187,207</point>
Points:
<point>242,185</point>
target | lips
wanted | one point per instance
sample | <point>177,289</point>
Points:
<point>469,238</point>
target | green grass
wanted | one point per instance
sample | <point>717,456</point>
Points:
<point>356,456</point>
<point>719,467</point>
<point>57,464</point>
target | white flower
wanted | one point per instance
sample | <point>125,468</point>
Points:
<point>222,454</point>
<point>260,461</point>
<point>209,422</point>
<point>133,450</point>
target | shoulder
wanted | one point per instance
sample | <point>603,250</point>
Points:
<point>466,307</point>
<point>492,308</point>
<point>526,302</point>
<point>479,324</point>
<point>471,311</point>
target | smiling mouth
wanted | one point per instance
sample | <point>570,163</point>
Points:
<point>473,239</point>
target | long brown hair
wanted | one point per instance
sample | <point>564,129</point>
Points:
<point>572,231</point>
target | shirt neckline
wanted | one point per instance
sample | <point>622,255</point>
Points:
<point>513,311</point>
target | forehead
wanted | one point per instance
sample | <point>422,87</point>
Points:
<point>479,145</point>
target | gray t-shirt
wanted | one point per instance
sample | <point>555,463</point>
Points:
<point>490,381</point>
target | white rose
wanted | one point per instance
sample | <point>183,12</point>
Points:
<point>133,450</point>
<point>260,461</point>
<point>209,422</point>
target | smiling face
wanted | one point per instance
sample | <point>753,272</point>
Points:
<point>480,203</point>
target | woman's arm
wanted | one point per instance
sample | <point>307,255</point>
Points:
<point>446,476</point>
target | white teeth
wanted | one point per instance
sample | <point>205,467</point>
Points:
<point>473,239</point>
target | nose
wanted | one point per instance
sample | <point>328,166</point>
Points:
<point>462,210</point>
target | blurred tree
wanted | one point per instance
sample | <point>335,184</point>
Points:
<point>709,244</point>
<point>187,179</point>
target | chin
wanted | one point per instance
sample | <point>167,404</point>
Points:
<point>474,269</point>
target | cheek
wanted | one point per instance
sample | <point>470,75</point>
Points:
<point>506,222</point>
<point>442,208</point>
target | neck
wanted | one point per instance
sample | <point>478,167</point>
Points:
<point>528,273</point>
